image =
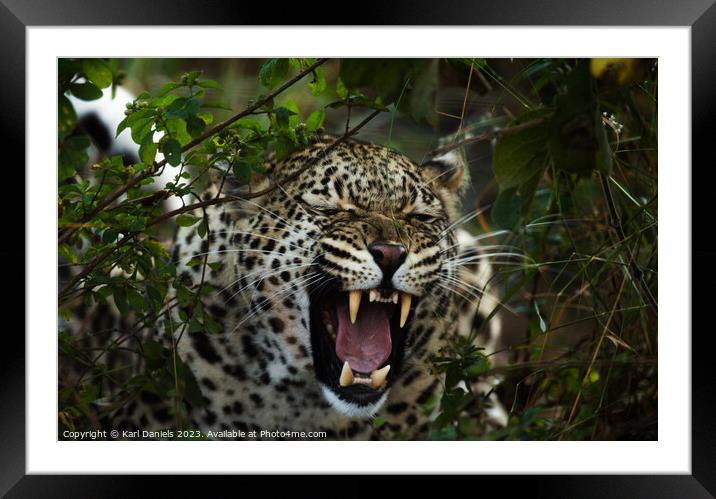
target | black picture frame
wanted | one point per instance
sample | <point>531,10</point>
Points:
<point>700,15</point>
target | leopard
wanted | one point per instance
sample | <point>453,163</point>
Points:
<point>334,275</point>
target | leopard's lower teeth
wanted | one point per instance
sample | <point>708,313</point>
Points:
<point>378,376</point>
<point>376,379</point>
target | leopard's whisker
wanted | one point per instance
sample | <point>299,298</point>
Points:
<point>481,294</point>
<point>463,219</point>
<point>480,237</point>
<point>483,256</point>
<point>280,294</point>
<point>240,250</point>
<point>457,292</point>
<point>455,280</point>
<point>492,262</point>
<point>263,236</point>
<point>480,249</point>
<point>273,214</point>
<point>265,273</point>
<point>263,276</point>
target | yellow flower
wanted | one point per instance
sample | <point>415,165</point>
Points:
<point>623,69</point>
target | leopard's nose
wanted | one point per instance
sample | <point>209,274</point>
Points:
<point>388,256</point>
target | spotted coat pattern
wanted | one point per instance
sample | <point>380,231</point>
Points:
<point>276,250</point>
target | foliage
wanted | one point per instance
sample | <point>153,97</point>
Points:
<point>577,177</point>
<point>574,160</point>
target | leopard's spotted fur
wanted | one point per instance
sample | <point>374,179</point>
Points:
<point>279,250</point>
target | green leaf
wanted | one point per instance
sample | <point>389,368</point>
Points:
<point>67,253</point>
<point>192,392</point>
<point>210,84</point>
<point>507,208</point>
<point>315,121</point>
<point>519,156</point>
<point>202,228</point>
<point>273,72</point>
<point>141,128</point>
<point>73,155</point>
<point>134,119</point>
<point>183,107</point>
<point>109,236</point>
<point>120,299</point>
<point>148,149</point>
<point>422,95</point>
<point>453,376</point>
<point>153,354</point>
<point>195,126</point>
<point>341,90</point>
<point>212,326</point>
<point>207,118</point>
<point>216,265</point>
<point>168,87</point>
<point>318,82</point>
<point>136,300</point>
<point>66,116</point>
<point>97,72</point>
<point>575,129</point>
<point>386,77</point>
<point>172,151</point>
<point>177,130</point>
<point>186,220</point>
<point>85,91</point>
<point>216,104</point>
<point>242,171</point>
<point>284,147</point>
<point>283,115</point>
<point>89,393</point>
<point>604,151</point>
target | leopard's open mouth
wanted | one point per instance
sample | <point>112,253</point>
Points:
<point>358,340</point>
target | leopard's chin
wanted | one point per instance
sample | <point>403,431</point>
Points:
<point>358,344</point>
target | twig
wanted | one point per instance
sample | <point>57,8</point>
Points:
<point>112,196</point>
<point>619,228</point>
<point>91,266</point>
<point>215,201</point>
<point>545,364</point>
<point>486,136</point>
<point>585,378</point>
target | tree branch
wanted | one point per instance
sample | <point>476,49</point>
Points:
<point>214,201</point>
<point>112,196</point>
<point>486,136</point>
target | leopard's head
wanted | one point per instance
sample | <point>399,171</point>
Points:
<point>368,237</point>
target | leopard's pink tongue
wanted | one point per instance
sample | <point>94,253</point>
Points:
<point>365,344</point>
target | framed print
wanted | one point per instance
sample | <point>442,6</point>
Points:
<point>245,244</point>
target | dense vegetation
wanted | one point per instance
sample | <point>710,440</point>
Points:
<point>569,206</point>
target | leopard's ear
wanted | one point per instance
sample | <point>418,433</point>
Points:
<point>447,171</point>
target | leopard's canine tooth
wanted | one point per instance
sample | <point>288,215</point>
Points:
<point>377,377</point>
<point>405,300</point>
<point>354,303</point>
<point>346,375</point>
